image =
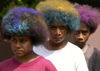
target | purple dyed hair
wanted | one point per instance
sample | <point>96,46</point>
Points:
<point>89,16</point>
<point>23,21</point>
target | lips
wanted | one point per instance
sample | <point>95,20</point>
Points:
<point>18,51</point>
<point>57,38</point>
<point>79,43</point>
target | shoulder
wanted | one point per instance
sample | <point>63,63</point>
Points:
<point>94,60</point>
<point>46,61</point>
<point>73,46</point>
<point>48,65</point>
<point>75,49</point>
<point>5,63</point>
<point>97,53</point>
<point>76,52</point>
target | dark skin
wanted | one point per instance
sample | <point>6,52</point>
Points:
<point>58,33</point>
<point>22,48</point>
<point>81,36</point>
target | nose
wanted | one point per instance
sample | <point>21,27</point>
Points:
<point>80,37</point>
<point>58,32</point>
<point>18,45</point>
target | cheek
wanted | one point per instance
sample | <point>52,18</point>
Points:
<point>52,33</point>
<point>12,46</point>
<point>86,37</point>
<point>74,37</point>
<point>64,33</point>
<point>27,46</point>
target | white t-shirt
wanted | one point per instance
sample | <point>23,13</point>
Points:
<point>69,58</point>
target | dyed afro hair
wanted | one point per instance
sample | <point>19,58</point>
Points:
<point>89,16</point>
<point>22,21</point>
<point>60,11</point>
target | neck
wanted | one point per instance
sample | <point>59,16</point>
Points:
<point>84,49</point>
<point>27,58</point>
<point>52,46</point>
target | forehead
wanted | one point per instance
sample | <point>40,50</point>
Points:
<point>83,26</point>
<point>20,37</point>
<point>56,24</point>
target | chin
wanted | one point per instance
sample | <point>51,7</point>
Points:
<point>81,45</point>
<point>58,42</point>
<point>19,55</point>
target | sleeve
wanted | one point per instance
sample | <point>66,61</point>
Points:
<point>81,64</point>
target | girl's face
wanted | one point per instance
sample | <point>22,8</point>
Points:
<point>21,45</point>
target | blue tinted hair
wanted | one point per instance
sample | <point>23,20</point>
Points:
<point>60,11</point>
<point>22,21</point>
<point>68,20</point>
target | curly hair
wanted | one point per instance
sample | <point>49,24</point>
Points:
<point>22,21</point>
<point>60,11</point>
<point>89,16</point>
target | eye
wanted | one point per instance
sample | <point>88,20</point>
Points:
<point>76,32</point>
<point>13,40</point>
<point>62,28</point>
<point>52,27</point>
<point>84,32</point>
<point>23,40</point>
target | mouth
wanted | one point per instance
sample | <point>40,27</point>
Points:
<point>57,38</point>
<point>18,51</point>
<point>79,43</point>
